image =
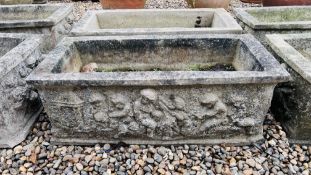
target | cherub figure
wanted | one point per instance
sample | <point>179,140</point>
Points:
<point>216,111</point>
<point>99,107</point>
<point>120,114</point>
<point>148,111</point>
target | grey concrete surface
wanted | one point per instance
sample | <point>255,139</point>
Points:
<point>158,107</point>
<point>274,20</point>
<point>155,21</point>
<point>292,103</point>
<point>52,20</point>
<point>19,104</point>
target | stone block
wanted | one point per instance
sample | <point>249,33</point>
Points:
<point>170,89</point>
<point>274,20</point>
<point>52,20</point>
<point>19,104</point>
<point>155,21</point>
<point>291,102</point>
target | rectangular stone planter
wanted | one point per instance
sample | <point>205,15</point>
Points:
<point>274,20</point>
<point>155,21</point>
<point>291,103</point>
<point>52,20</point>
<point>170,101</point>
<point>19,105</point>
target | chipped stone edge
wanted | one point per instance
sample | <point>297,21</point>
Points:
<point>289,54</point>
<point>251,21</point>
<point>63,11</point>
<point>231,26</point>
<point>22,134</point>
<point>272,73</point>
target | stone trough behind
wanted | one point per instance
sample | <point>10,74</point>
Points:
<point>274,20</point>
<point>155,21</point>
<point>292,104</point>
<point>19,104</point>
<point>170,101</point>
<point>52,20</point>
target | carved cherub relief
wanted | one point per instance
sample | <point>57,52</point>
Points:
<point>99,108</point>
<point>121,115</point>
<point>177,118</point>
<point>215,112</point>
<point>148,111</point>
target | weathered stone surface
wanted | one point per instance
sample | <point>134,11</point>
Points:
<point>52,20</point>
<point>156,21</point>
<point>11,2</point>
<point>158,107</point>
<point>292,103</point>
<point>19,105</point>
<point>274,20</point>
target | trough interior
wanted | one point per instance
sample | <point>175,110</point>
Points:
<point>26,12</point>
<point>155,55</point>
<point>281,15</point>
<point>303,46</point>
<point>7,44</point>
<point>143,19</point>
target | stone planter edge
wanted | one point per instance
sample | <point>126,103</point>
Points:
<point>252,22</point>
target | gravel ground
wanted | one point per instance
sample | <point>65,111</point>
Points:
<point>274,156</point>
<point>80,7</point>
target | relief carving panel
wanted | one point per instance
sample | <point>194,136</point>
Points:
<point>153,114</point>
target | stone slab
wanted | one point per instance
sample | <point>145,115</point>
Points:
<point>260,21</point>
<point>292,103</point>
<point>53,20</point>
<point>158,107</point>
<point>19,104</point>
<point>155,21</point>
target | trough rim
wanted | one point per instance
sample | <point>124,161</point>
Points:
<point>289,54</point>
<point>18,54</point>
<point>273,72</point>
<point>64,10</point>
<point>80,28</point>
<point>251,21</point>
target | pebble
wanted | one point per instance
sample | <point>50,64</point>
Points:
<point>162,151</point>
<point>271,142</point>
<point>88,158</point>
<point>248,172</point>
<point>79,166</point>
<point>107,147</point>
<point>232,162</point>
<point>251,162</point>
<point>112,160</point>
<point>157,158</point>
<point>150,160</point>
<point>18,149</point>
<point>218,168</point>
<point>27,165</point>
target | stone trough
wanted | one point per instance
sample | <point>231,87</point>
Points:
<point>19,105</point>
<point>194,89</point>
<point>292,104</point>
<point>53,20</point>
<point>155,21</point>
<point>274,20</point>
